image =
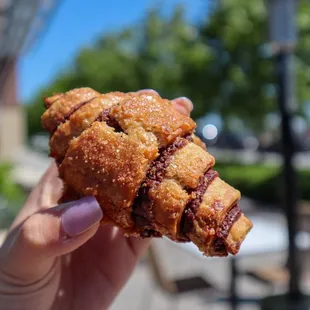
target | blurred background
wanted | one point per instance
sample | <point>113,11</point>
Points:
<point>219,54</point>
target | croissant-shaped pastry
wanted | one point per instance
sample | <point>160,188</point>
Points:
<point>151,175</point>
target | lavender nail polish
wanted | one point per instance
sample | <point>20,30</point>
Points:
<point>80,215</point>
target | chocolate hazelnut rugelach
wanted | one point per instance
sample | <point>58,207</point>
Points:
<point>151,175</point>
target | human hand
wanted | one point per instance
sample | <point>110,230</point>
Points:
<point>58,257</point>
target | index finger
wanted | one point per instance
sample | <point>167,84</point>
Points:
<point>45,195</point>
<point>181,104</point>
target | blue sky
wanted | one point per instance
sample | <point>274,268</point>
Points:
<point>77,23</point>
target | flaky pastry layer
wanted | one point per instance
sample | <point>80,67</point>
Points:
<point>151,175</point>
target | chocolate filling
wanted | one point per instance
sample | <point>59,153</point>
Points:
<point>219,242</point>
<point>48,105</point>
<point>158,168</point>
<point>68,114</point>
<point>76,107</point>
<point>143,206</point>
<point>193,204</point>
<point>102,117</point>
<point>219,247</point>
<point>233,215</point>
<point>105,117</point>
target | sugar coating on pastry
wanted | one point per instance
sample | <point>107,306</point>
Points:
<point>48,101</point>
<point>107,165</point>
<point>60,109</point>
<point>80,120</point>
<point>152,114</point>
<point>150,173</point>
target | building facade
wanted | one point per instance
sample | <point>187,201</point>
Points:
<point>12,116</point>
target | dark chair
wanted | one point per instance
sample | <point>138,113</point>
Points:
<point>274,276</point>
<point>173,287</point>
<point>271,276</point>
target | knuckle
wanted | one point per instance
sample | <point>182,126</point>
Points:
<point>37,233</point>
<point>30,232</point>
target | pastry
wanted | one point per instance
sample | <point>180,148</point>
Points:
<point>151,175</point>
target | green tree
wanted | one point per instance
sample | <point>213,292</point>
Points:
<point>166,48</point>
<point>12,196</point>
<point>240,81</point>
<point>220,62</point>
<point>147,55</point>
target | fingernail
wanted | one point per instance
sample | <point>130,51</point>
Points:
<point>181,109</point>
<point>185,102</point>
<point>148,91</point>
<point>80,215</point>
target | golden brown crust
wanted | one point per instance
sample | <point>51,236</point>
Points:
<point>64,105</point>
<point>188,165</point>
<point>199,142</point>
<point>48,101</point>
<point>217,200</point>
<point>169,200</point>
<point>80,120</point>
<point>151,114</point>
<point>132,157</point>
<point>237,234</point>
<point>107,165</point>
<point>170,196</point>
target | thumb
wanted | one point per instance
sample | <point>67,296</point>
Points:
<point>31,248</point>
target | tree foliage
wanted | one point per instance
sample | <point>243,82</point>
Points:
<point>241,80</point>
<point>219,62</point>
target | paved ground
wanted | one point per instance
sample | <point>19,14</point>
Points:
<point>142,293</point>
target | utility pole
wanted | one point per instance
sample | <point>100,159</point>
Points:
<point>283,38</point>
